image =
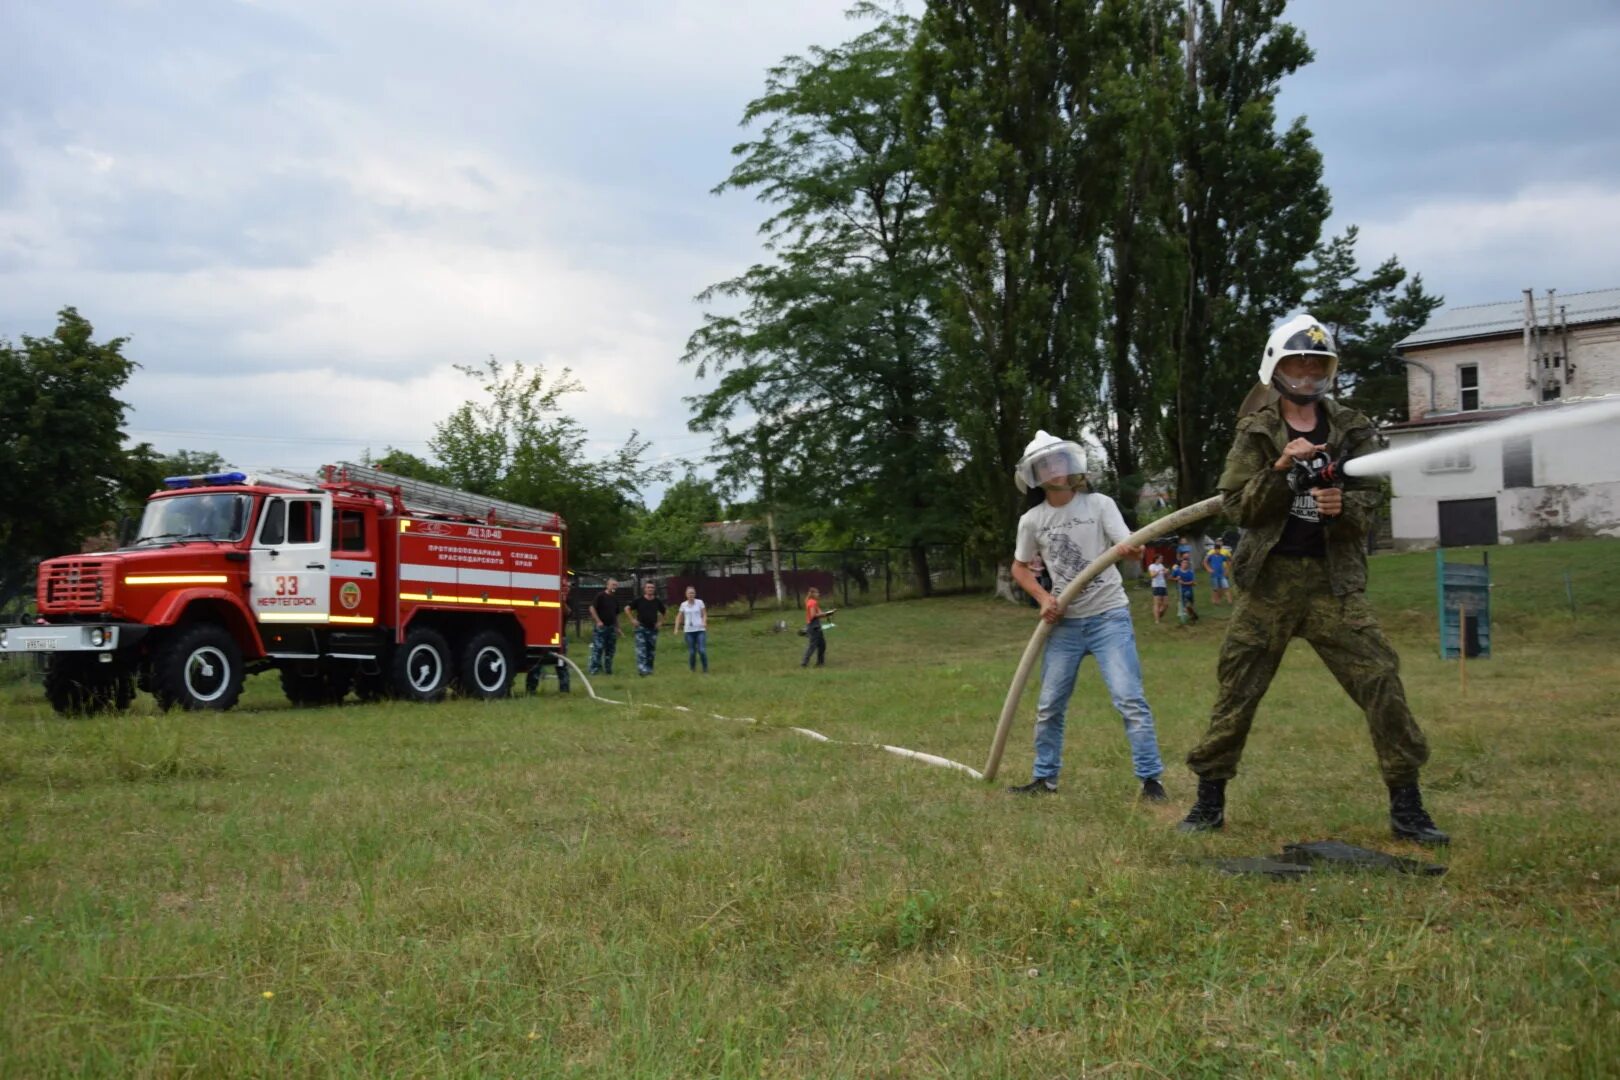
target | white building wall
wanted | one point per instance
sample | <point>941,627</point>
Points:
<point>1576,473</point>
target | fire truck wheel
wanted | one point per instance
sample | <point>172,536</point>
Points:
<point>199,668</point>
<point>487,666</point>
<point>421,667</point>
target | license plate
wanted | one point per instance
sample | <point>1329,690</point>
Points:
<point>40,644</point>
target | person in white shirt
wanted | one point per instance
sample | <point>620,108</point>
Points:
<point>1161,591</point>
<point>694,615</point>
<point>1069,525</point>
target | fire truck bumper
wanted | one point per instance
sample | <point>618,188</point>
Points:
<point>105,638</point>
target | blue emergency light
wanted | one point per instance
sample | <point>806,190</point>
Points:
<point>204,480</point>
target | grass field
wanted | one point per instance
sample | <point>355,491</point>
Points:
<point>553,886</point>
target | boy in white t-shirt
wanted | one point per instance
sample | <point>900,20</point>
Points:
<point>694,615</point>
<point>1069,527</point>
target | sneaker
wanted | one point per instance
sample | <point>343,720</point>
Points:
<point>1042,786</point>
<point>1153,791</point>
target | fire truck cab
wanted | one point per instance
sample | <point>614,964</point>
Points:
<point>353,580</point>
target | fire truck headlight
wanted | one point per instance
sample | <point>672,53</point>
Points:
<point>98,637</point>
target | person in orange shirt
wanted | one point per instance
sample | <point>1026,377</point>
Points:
<point>812,628</point>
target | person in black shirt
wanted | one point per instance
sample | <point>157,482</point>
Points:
<point>1302,571</point>
<point>1302,534</point>
<point>649,615</point>
<point>605,611</point>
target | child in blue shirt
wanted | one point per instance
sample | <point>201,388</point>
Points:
<point>1220,586</point>
<point>1184,576</point>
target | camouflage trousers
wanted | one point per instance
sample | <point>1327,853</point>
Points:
<point>646,649</point>
<point>604,643</point>
<point>1292,598</point>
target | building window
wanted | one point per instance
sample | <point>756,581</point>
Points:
<point>1456,461</point>
<point>1468,387</point>
<point>1518,465</point>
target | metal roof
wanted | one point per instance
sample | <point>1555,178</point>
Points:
<point>1507,316</point>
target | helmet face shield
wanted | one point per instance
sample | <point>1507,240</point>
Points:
<point>1052,465</point>
<point>1304,377</point>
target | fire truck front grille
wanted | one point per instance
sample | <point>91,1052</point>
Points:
<point>76,585</point>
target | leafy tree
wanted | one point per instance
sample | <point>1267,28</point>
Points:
<point>1021,179</point>
<point>144,468</point>
<point>675,529</point>
<point>827,378</point>
<point>516,443</point>
<point>1367,316</point>
<point>403,463</point>
<point>62,455</point>
<point>1252,210</point>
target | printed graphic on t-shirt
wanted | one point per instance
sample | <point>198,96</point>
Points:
<point>1068,539</point>
<point>1304,508</point>
<point>1065,561</point>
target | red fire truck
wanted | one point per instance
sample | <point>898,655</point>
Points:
<point>354,579</point>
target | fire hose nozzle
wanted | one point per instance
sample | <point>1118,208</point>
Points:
<point>1317,471</point>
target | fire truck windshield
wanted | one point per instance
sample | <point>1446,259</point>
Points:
<point>194,517</point>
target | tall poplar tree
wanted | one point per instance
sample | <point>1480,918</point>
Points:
<point>1021,183</point>
<point>1253,205</point>
<point>1143,257</point>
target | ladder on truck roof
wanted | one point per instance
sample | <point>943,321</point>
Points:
<point>422,497</point>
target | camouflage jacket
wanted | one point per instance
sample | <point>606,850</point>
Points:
<point>1257,495</point>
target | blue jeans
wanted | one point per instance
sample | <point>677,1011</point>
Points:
<point>1112,640</point>
<point>697,645</point>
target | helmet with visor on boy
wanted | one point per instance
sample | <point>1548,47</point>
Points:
<point>1052,462</point>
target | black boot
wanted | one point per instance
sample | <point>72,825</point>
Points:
<point>1407,818</point>
<point>1209,812</point>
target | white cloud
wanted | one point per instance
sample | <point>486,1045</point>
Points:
<point>1475,250</point>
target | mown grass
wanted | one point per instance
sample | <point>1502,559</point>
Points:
<point>555,886</point>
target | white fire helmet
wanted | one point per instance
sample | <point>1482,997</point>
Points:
<point>1048,457</point>
<point>1300,336</point>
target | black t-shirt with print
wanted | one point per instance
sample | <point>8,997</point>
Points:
<point>1302,534</point>
<point>647,611</point>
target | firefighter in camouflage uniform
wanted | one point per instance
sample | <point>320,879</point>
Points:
<point>1301,569</point>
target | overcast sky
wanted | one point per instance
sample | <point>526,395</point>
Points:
<point>303,213</point>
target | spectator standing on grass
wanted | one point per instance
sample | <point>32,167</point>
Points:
<point>562,648</point>
<point>605,611</point>
<point>1220,586</point>
<point>1157,573</point>
<point>1302,564</point>
<point>693,614</point>
<point>1185,577</point>
<point>813,615</point>
<point>648,611</point>
<point>1068,525</point>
